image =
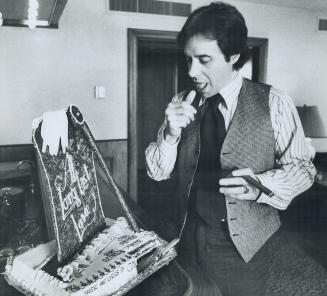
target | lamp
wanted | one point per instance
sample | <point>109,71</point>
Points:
<point>311,121</point>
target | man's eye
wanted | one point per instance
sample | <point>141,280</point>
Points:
<point>204,60</point>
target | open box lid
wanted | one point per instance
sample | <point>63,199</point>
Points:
<point>70,190</point>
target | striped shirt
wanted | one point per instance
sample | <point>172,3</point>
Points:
<point>294,171</point>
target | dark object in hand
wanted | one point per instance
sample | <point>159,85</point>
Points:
<point>258,185</point>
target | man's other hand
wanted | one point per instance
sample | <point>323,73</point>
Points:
<point>237,187</point>
<point>179,115</point>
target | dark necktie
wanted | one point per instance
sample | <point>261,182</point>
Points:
<point>213,133</point>
<point>206,200</point>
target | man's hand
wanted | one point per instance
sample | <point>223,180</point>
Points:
<point>237,187</point>
<point>178,116</point>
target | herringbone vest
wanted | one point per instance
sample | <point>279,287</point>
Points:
<point>249,143</point>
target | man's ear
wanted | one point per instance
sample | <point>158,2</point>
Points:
<point>234,58</point>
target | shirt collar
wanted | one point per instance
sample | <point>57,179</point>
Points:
<point>230,92</point>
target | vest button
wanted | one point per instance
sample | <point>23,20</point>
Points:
<point>231,202</point>
<point>235,234</point>
<point>225,153</point>
<point>232,219</point>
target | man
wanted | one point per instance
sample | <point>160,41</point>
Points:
<point>226,128</point>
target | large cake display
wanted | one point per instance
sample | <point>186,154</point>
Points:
<point>89,254</point>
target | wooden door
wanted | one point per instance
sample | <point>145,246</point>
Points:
<point>159,79</point>
<point>157,73</point>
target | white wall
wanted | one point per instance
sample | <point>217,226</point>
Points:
<point>48,69</point>
<point>297,53</point>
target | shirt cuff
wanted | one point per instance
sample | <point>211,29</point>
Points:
<point>265,181</point>
<point>164,145</point>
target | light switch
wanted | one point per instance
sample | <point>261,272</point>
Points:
<point>99,92</point>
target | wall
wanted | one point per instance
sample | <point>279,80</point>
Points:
<point>49,69</point>
<point>297,53</point>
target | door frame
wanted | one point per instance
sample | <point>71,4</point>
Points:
<point>134,37</point>
<point>262,45</point>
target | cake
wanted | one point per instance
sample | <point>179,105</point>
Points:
<point>106,265</point>
<point>88,254</point>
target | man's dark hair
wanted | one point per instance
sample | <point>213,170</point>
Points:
<point>221,22</point>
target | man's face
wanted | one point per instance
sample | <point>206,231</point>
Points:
<point>207,66</point>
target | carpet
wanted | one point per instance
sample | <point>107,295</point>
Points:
<point>293,272</point>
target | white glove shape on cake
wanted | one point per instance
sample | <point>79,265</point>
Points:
<point>53,130</point>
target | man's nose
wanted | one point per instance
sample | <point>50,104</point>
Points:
<point>193,69</point>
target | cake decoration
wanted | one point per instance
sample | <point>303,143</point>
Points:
<point>72,192</point>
